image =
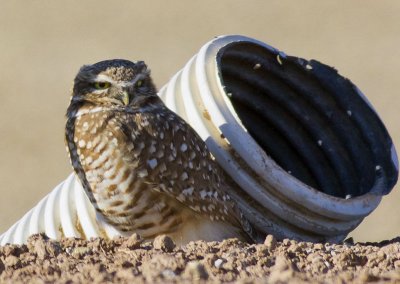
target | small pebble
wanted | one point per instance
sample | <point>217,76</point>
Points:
<point>218,263</point>
<point>270,242</point>
<point>164,243</point>
<point>133,242</point>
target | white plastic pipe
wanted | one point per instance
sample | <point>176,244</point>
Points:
<point>65,212</point>
<point>286,207</point>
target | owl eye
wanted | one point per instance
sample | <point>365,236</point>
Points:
<point>139,83</point>
<point>102,85</point>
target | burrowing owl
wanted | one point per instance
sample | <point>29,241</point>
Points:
<point>142,166</point>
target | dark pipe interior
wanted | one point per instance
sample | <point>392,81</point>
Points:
<point>308,119</point>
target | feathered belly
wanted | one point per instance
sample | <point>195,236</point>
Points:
<point>136,208</point>
<point>124,198</point>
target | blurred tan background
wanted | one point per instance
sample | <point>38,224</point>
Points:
<point>43,44</point>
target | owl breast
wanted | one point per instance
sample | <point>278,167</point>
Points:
<point>118,158</point>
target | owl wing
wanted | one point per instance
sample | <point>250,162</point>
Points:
<point>171,156</point>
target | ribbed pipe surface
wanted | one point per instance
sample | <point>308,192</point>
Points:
<point>65,212</point>
<point>310,155</point>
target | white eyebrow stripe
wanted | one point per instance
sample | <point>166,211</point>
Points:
<point>125,84</point>
<point>104,78</point>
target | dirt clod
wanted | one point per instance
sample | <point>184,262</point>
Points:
<point>130,260</point>
<point>270,242</point>
<point>164,243</point>
<point>11,260</point>
<point>133,242</point>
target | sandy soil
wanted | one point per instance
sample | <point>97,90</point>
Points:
<point>130,260</point>
<point>43,46</point>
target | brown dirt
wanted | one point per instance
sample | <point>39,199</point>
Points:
<point>43,46</point>
<point>130,260</point>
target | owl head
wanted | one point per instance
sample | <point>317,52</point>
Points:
<point>113,83</point>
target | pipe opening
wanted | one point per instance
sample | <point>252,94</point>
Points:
<point>309,119</point>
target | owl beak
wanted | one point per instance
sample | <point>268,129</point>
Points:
<point>123,97</point>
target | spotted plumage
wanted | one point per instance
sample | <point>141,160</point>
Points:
<point>142,166</point>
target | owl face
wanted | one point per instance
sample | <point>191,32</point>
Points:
<point>119,83</point>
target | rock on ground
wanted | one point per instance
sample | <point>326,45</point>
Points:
<point>131,260</point>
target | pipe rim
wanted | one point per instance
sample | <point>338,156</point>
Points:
<point>208,64</point>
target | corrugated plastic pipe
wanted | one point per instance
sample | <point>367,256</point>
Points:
<point>308,154</point>
<point>65,212</point>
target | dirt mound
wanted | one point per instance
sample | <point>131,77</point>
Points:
<point>130,260</point>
